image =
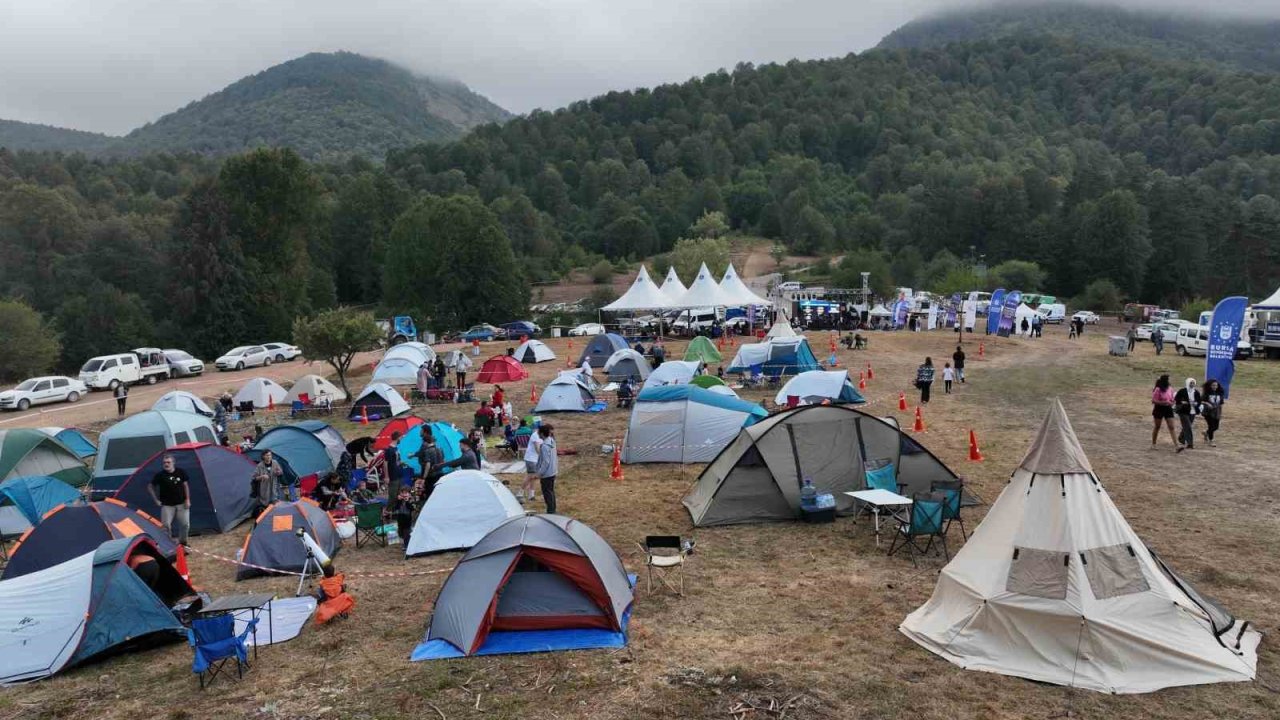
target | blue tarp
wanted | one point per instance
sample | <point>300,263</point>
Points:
<point>448,440</point>
<point>76,442</point>
<point>36,495</point>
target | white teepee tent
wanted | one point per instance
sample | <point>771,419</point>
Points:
<point>733,286</point>
<point>704,293</point>
<point>1055,586</point>
<point>642,295</point>
<point>672,287</point>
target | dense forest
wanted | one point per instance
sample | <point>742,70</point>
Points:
<point>322,105</point>
<point>1158,175</point>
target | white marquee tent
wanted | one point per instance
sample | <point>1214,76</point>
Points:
<point>734,288</point>
<point>672,287</point>
<point>705,292</point>
<point>642,295</point>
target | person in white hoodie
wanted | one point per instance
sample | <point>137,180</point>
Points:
<point>530,463</point>
<point>548,466</point>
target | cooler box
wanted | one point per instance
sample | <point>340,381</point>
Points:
<point>1118,345</point>
<point>822,510</point>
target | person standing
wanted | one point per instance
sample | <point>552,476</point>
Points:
<point>121,394</point>
<point>958,358</point>
<point>391,461</point>
<point>460,371</point>
<point>1213,398</point>
<point>947,376</point>
<point>1132,335</point>
<point>1157,339</point>
<point>924,379</point>
<point>548,466</point>
<point>1187,405</point>
<point>430,462</point>
<point>267,476</point>
<point>1162,410</point>
<point>424,377</point>
<point>171,492</point>
<point>530,462</point>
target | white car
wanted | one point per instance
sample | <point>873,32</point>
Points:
<point>1088,316</point>
<point>281,352</point>
<point>37,391</point>
<point>587,329</point>
<point>182,364</point>
<point>243,357</point>
<point>790,285</point>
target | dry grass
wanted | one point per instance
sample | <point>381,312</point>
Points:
<point>794,616</point>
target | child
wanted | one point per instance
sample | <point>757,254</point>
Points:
<point>948,374</point>
<point>333,597</point>
<point>402,511</point>
<point>362,494</point>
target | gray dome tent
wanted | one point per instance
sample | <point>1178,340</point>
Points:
<point>757,478</point>
<point>566,393</point>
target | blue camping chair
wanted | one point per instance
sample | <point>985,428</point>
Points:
<point>297,408</point>
<point>215,643</point>
<point>952,492</point>
<point>926,521</point>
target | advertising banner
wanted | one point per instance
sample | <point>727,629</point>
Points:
<point>1008,312</point>
<point>993,310</point>
<point>1224,337</point>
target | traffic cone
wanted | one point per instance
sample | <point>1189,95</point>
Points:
<point>975,455</point>
<point>271,404</point>
<point>181,564</point>
<point>919,426</point>
<point>533,393</point>
<point>364,415</point>
<point>871,374</point>
<point>616,472</point>
<point>902,401</point>
<point>982,350</point>
<point>862,381</point>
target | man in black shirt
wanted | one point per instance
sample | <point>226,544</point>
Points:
<point>430,460</point>
<point>958,360</point>
<point>170,491</point>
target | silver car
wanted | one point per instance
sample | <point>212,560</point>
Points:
<point>37,391</point>
<point>280,352</point>
<point>182,364</point>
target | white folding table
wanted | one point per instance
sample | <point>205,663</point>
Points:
<point>880,501</point>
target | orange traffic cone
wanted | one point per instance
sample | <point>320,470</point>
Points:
<point>982,350</point>
<point>181,564</point>
<point>364,415</point>
<point>902,401</point>
<point>975,455</point>
<point>919,426</point>
<point>533,393</point>
<point>871,374</point>
<point>616,472</point>
<point>862,381</point>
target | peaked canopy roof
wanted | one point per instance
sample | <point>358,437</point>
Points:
<point>642,295</point>
<point>672,287</point>
<point>733,286</point>
<point>1056,449</point>
<point>705,292</point>
<point>1271,303</point>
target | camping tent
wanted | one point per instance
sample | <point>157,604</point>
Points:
<point>448,439</point>
<point>418,352</point>
<point>626,363</point>
<point>701,348</point>
<point>379,401</point>
<point>400,425</point>
<point>600,348</point>
<point>313,386</point>
<point>534,583</point>
<point>732,286</point>
<point>534,351</point>
<point>684,423</point>
<point>24,452</point>
<point>183,401</point>
<point>464,506</point>
<point>34,496</point>
<point>758,476</point>
<point>217,478</point>
<point>450,358</point>
<point>706,382</point>
<point>303,452</point>
<point>642,295</point>
<point>1055,586</point>
<point>130,442</point>
<point>273,543</point>
<point>399,365</point>
<point>334,444</point>
<point>262,392</point>
<point>673,372</point>
<point>815,386</point>
<point>500,369</point>
<point>776,356</point>
<point>85,606</point>
<point>672,287</point>
<point>880,311</point>
<point>567,393</point>
<point>71,530</point>
<point>781,329</point>
<point>1023,312</point>
<point>75,440</point>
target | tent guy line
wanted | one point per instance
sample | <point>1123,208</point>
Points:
<point>274,571</point>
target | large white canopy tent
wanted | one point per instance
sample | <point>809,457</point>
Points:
<point>642,295</point>
<point>672,287</point>
<point>732,286</point>
<point>705,292</point>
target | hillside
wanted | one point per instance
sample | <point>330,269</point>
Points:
<point>1241,44</point>
<point>322,105</point>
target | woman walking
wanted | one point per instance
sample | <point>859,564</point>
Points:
<point>121,394</point>
<point>1213,398</point>
<point>548,466</point>
<point>1162,410</point>
<point>1187,404</point>
<point>924,379</point>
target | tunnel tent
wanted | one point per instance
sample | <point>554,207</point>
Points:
<point>757,477</point>
<point>626,363</point>
<point>132,441</point>
<point>70,530</point>
<point>600,348</point>
<point>274,542</point>
<point>27,452</point>
<point>535,583</point>
<point>534,351</point>
<point>684,424</point>
<point>464,506</point>
<point>218,478</point>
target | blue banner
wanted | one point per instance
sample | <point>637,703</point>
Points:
<point>900,313</point>
<point>1009,313</point>
<point>1224,337</point>
<point>993,310</point>
<point>951,311</point>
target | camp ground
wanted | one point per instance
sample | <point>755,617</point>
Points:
<point>130,442</point>
<point>218,480</point>
<point>27,452</point>
<point>378,401</point>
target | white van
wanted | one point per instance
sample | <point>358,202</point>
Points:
<point>697,319</point>
<point>1194,340</point>
<point>106,372</point>
<point>1053,312</point>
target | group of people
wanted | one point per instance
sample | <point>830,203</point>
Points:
<point>926,373</point>
<point>1187,403</point>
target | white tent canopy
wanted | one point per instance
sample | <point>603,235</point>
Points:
<point>1271,303</point>
<point>315,386</point>
<point>782,328</point>
<point>642,295</point>
<point>1055,586</point>
<point>705,292</point>
<point>814,385</point>
<point>182,401</point>
<point>1022,312</point>
<point>464,506</point>
<point>732,286</point>
<point>673,372</point>
<point>880,311</point>
<point>262,392</point>
<point>672,287</point>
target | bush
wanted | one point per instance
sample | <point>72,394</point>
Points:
<point>602,272</point>
<point>1099,296</point>
<point>1192,308</point>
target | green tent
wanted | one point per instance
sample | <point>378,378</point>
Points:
<point>702,349</point>
<point>706,382</point>
<point>26,452</point>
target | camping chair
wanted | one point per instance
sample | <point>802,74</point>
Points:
<point>522,444</point>
<point>924,521</point>
<point>664,561</point>
<point>297,407</point>
<point>953,491</point>
<point>369,524</point>
<point>793,401</point>
<point>214,643</point>
<point>775,378</point>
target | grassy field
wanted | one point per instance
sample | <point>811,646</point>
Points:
<point>795,617</point>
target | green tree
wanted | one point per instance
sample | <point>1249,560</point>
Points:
<point>690,253</point>
<point>1100,296</point>
<point>1016,275</point>
<point>42,236</point>
<point>1192,308</point>
<point>454,264</point>
<point>959,279</point>
<point>712,224</point>
<point>602,272</point>
<point>906,267</point>
<point>101,320</point>
<point>337,336</point>
<point>848,274</point>
<point>30,346</point>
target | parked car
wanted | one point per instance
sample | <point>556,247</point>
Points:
<point>41,390</point>
<point>106,372</point>
<point>182,364</point>
<point>1088,316</point>
<point>587,329</point>
<point>1168,330</point>
<point>513,330</point>
<point>1053,313</point>
<point>481,332</point>
<point>280,352</point>
<point>243,357</point>
<point>1194,340</point>
<point>790,285</point>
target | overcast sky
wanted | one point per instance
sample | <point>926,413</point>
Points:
<point>111,65</point>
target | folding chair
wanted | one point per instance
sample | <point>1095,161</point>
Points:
<point>369,523</point>
<point>664,561</point>
<point>953,491</point>
<point>297,407</point>
<point>775,378</point>
<point>924,521</point>
<point>881,475</point>
<point>214,643</point>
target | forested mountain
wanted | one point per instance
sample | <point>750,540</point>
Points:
<point>1242,44</point>
<point>322,105</point>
